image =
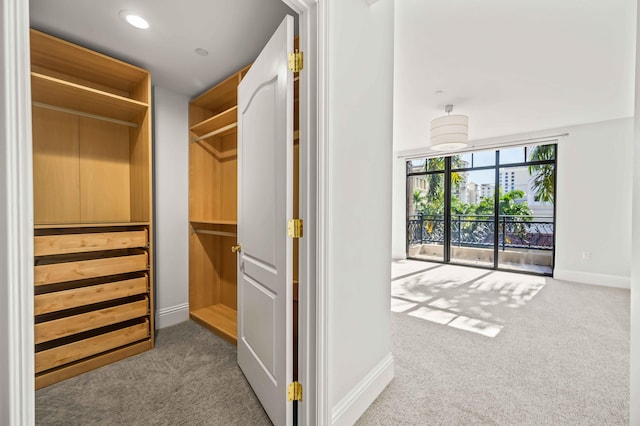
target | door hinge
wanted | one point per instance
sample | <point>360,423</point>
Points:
<point>294,228</point>
<point>294,392</point>
<point>296,61</point>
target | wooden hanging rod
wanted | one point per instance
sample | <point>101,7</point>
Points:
<point>219,233</point>
<point>215,132</point>
<point>86,114</point>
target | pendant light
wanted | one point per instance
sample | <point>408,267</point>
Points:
<point>450,132</point>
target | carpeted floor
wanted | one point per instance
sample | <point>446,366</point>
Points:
<point>471,347</point>
<point>560,355</point>
<point>189,378</point>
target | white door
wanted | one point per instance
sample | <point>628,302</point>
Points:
<point>265,203</point>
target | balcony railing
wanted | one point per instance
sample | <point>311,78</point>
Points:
<point>521,232</point>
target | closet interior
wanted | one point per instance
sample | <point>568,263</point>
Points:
<point>92,180</point>
<point>213,181</point>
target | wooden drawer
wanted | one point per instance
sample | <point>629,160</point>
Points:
<point>45,245</point>
<point>67,326</point>
<point>75,351</point>
<point>67,299</point>
<point>83,269</point>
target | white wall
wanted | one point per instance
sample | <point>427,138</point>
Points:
<point>359,215</point>
<point>399,208</point>
<point>593,211</point>
<point>171,173</point>
<point>593,208</point>
<point>634,418</point>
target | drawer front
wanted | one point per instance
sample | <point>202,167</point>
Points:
<point>67,299</point>
<point>46,245</point>
<point>75,351</point>
<point>79,270</point>
<point>75,324</point>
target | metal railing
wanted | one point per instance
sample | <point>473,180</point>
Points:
<point>523,232</point>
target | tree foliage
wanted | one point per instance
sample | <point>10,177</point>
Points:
<point>543,175</point>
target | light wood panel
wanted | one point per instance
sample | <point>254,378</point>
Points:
<point>104,171</point>
<point>140,157</point>
<point>64,94</point>
<point>68,58</point>
<point>203,183</point>
<point>64,372</point>
<point>73,298</point>
<point>228,177</point>
<point>227,272</point>
<point>84,269</point>
<point>45,245</point>
<point>71,352</point>
<point>63,327</point>
<point>203,258</point>
<point>56,175</point>
<point>220,319</point>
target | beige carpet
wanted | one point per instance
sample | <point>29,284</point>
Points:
<point>190,378</point>
<point>471,347</point>
<point>477,347</point>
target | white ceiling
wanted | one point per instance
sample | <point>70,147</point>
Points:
<point>512,66</point>
<point>233,31</point>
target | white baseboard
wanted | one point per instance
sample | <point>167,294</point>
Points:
<point>356,402</point>
<point>172,315</point>
<point>605,280</point>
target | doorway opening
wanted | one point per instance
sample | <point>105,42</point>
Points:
<point>491,209</point>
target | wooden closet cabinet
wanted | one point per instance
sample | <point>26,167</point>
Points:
<point>92,180</point>
<point>213,184</point>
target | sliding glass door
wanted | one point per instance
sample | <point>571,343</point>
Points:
<point>491,209</point>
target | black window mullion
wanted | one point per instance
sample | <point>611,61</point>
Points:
<point>447,210</point>
<point>496,210</point>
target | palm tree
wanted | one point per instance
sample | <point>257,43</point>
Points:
<point>436,182</point>
<point>543,174</point>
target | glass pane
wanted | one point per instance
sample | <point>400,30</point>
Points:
<point>541,152</point>
<point>425,221</point>
<point>525,225</point>
<point>461,161</point>
<point>484,158</point>
<point>512,155</point>
<point>435,164</point>
<point>416,165</point>
<point>472,221</point>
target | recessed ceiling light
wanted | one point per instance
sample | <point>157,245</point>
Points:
<point>202,52</point>
<point>134,19</point>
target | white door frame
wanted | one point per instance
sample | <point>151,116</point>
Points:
<point>16,215</point>
<point>16,218</point>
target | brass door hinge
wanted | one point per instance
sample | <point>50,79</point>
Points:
<point>296,61</point>
<point>294,392</point>
<point>294,228</point>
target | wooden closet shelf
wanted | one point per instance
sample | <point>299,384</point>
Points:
<point>218,124</point>
<point>224,96</point>
<point>73,60</point>
<point>220,319</point>
<point>54,92</point>
<point>213,222</point>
